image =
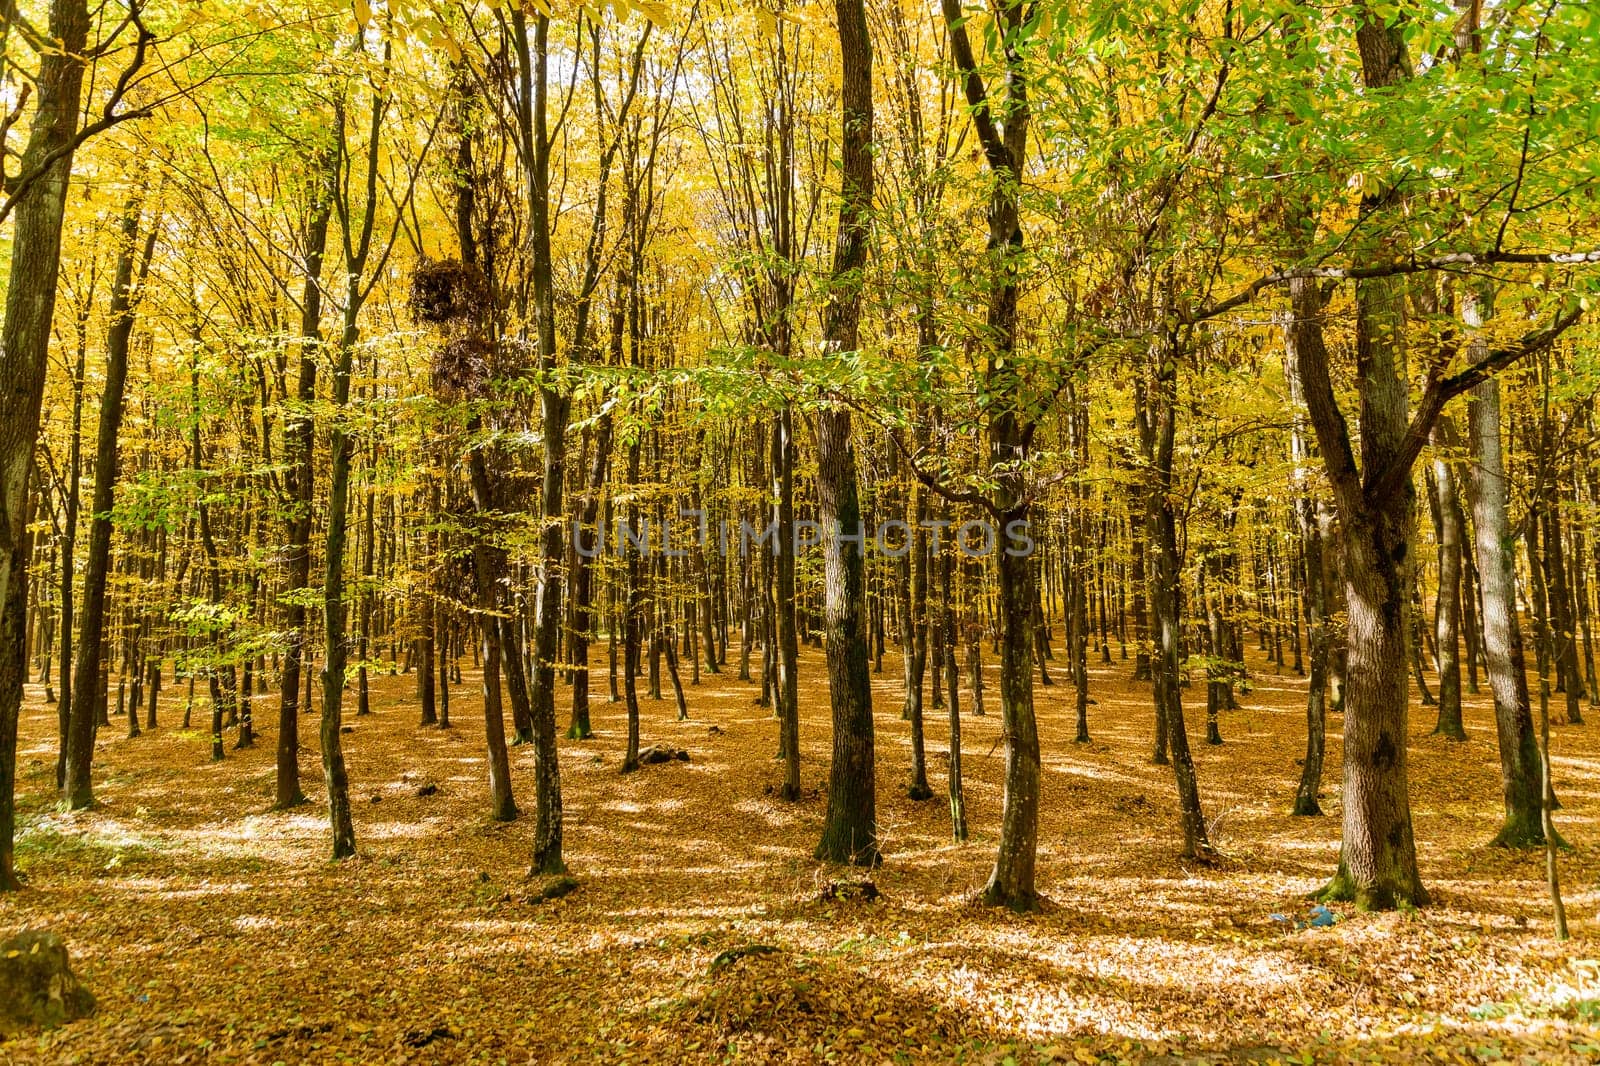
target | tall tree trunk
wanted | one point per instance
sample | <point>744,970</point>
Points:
<point>952,684</point>
<point>914,637</point>
<point>1012,881</point>
<point>334,774</point>
<point>77,789</point>
<point>1563,634</point>
<point>488,571</point>
<point>1447,606</point>
<point>428,634</point>
<point>583,571</point>
<point>1494,547</point>
<point>554,406</point>
<point>69,545</point>
<point>1158,435</point>
<point>24,345</point>
<point>1141,625</point>
<point>219,676</point>
<point>1314,521</point>
<point>850,830</point>
<point>1378,861</point>
<point>1004,146</point>
<point>299,446</point>
<point>784,647</point>
<point>635,605</point>
<point>357,236</point>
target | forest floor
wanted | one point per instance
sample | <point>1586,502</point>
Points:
<point>214,929</point>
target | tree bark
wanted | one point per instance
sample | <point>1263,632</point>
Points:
<point>554,407</point>
<point>1158,435</point>
<point>77,788</point>
<point>24,344</point>
<point>299,446</point>
<point>1447,606</point>
<point>850,831</point>
<point>1311,515</point>
<point>784,646</point>
<point>1502,632</point>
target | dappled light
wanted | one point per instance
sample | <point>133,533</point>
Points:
<point>222,921</point>
<point>720,531</point>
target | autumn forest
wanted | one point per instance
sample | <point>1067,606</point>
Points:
<point>762,531</point>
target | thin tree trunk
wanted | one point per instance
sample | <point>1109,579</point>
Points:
<point>1158,431</point>
<point>553,407</point>
<point>952,684</point>
<point>1315,522</point>
<point>299,446</point>
<point>1447,607</point>
<point>784,648</point>
<point>77,789</point>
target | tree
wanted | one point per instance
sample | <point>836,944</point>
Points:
<point>1502,632</point>
<point>299,447</point>
<point>46,167</point>
<point>533,66</point>
<point>76,788</point>
<point>850,831</point>
<point>1010,433</point>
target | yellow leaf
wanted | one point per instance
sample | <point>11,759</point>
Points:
<point>658,13</point>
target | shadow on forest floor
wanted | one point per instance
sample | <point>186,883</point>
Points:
<point>212,928</point>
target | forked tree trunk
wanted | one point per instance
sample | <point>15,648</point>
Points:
<point>1378,861</point>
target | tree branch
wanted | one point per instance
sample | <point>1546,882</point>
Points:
<point>1441,390</point>
<point>994,147</point>
<point>1411,264</point>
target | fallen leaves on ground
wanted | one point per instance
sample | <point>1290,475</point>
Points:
<point>213,929</point>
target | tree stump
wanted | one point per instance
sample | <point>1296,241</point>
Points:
<point>37,987</point>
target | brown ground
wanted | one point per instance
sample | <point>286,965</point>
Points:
<point>213,929</point>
